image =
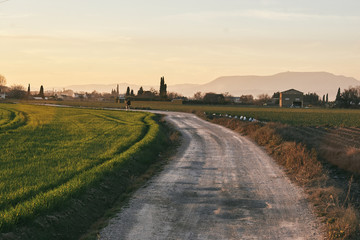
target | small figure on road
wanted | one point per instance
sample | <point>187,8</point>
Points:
<point>128,103</point>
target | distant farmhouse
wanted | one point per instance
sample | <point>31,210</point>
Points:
<point>3,91</point>
<point>291,98</point>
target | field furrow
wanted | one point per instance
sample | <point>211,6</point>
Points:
<point>11,119</point>
<point>60,152</point>
<point>334,137</point>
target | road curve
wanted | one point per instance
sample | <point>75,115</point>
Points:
<point>219,185</point>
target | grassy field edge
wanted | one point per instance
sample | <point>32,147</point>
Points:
<point>75,213</point>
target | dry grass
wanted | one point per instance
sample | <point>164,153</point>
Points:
<point>298,161</point>
<point>341,219</point>
<point>344,224</point>
<point>344,158</point>
<point>338,146</point>
<point>304,167</point>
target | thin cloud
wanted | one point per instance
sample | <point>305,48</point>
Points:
<point>3,16</point>
<point>27,37</point>
<point>63,38</point>
<point>260,14</point>
<point>4,1</point>
<point>275,15</point>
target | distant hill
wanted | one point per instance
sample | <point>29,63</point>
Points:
<point>319,82</point>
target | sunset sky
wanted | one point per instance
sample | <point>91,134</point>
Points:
<point>65,42</point>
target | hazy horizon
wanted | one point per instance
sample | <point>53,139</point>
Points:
<point>61,43</point>
<point>321,83</point>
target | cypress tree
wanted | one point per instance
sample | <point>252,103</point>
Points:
<point>327,98</point>
<point>28,90</point>
<point>141,91</point>
<point>163,87</point>
<point>338,96</point>
<point>42,92</point>
<point>128,91</point>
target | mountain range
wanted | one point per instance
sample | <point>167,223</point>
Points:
<point>318,82</point>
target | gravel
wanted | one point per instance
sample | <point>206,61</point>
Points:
<point>219,185</point>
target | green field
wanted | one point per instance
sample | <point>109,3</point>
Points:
<point>292,116</point>
<point>299,117</point>
<point>49,155</point>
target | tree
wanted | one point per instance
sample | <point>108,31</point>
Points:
<point>350,97</point>
<point>174,95</point>
<point>95,94</point>
<point>163,87</point>
<point>311,99</point>
<point>247,99</point>
<point>276,98</point>
<point>28,92</point>
<point>276,95</point>
<point>323,99</point>
<point>153,91</point>
<point>262,99</point>
<point>2,80</point>
<point>41,93</point>
<point>198,96</point>
<point>338,96</point>
<point>227,94</point>
<point>17,92</point>
<point>132,93</point>
<point>128,91</point>
<point>214,98</point>
<point>141,91</point>
<point>327,98</point>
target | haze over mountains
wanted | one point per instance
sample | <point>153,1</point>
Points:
<point>319,82</point>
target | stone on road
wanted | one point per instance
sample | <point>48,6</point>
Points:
<point>219,185</point>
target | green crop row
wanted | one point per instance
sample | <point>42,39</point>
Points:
<point>291,116</point>
<point>60,152</point>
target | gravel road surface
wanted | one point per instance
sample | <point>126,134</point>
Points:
<point>219,185</point>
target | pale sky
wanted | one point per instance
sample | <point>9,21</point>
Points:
<point>65,42</point>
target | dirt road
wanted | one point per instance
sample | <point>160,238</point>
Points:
<point>219,185</point>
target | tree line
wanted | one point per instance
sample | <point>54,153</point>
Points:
<point>152,94</point>
<point>348,98</point>
<point>19,92</point>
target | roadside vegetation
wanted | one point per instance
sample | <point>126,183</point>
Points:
<point>49,157</point>
<point>305,158</point>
